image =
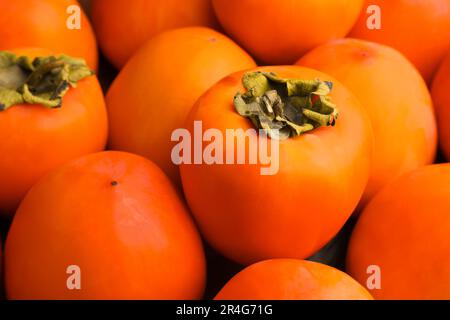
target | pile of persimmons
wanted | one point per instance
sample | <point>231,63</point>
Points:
<point>355,95</point>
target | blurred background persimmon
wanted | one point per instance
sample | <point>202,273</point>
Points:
<point>290,279</point>
<point>441,99</point>
<point>279,32</point>
<point>420,29</point>
<point>122,26</point>
<point>43,24</point>
<point>154,93</point>
<point>404,232</point>
<point>396,98</point>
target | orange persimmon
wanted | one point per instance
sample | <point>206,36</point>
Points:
<point>44,24</point>
<point>419,29</point>
<point>279,32</point>
<point>155,91</point>
<point>403,238</point>
<point>441,99</point>
<point>249,216</point>
<point>37,139</point>
<point>114,222</point>
<point>123,26</point>
<point>396,98</point>
<point>290,279</point>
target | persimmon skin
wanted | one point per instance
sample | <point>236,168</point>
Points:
<point>323,173</point>
<point>404,231</point>
<point>427,20</point>
<point>441,99</point>
<point>117,217</point>
<point>154,93</point>
<point>290,279</point>
<point>43,24</point>
<point>123,26</point>
<point>396,98</point>
<point>39,139</point>
<point>280,32</point>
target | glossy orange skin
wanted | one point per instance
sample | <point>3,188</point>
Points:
<point>279,32</point>
<point>420,29</point>
<point>323,174</point>
<point>123,26</point>
<point>404,231</point>
<point>396,99</point>
<point>37,139</point>
<point>154,93</point>
<point>43,24</point>
<point>132,240</point>
<point>441,99</point>
<point>289,279</point>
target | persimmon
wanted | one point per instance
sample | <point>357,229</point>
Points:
<point>45,120</point>
<point>248,214</point>
<point>153,94</point>
<point>404,23</point>
<point>279,32</point>
<point>44,24</point>
<point>114,217</point>
<point>396,99</point>
<point>441,85</point>
<point>290,279</point>
<point>123,26</point>
<point>403,232</point>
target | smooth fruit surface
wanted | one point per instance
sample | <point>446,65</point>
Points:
<point>122,26</point>
<point>289,279</point>
<point>396,99</point>
<point>279,32</point>
<point>420,29</point>
<point>44,24</point>
<point>153,94</point>
<point>116,217</point>
<point>441,99</point>
<point>250,217</point>
<point>404,232</point>
<point>37,139</point>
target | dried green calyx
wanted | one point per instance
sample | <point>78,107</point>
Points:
<point>43,80</point>
<point>285,108</point>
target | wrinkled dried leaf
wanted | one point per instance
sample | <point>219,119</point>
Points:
<point>285,108</point>
<point>43,80</point>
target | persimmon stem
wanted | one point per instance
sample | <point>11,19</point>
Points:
<point>285,108</point>
<point>43,80</point>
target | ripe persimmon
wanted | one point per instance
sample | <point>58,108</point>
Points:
<point>114,218</point>
<point>292,212</point>
<point>402,235</point>
<point>123,26</point>
<point>44,24</point>
<point>441,99</point>
<point>290,279</point>
<point>396,98</point>
<point>279,32</point>
<point>37,137</point>
<point>419,29</point>
<point>155,91</point>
